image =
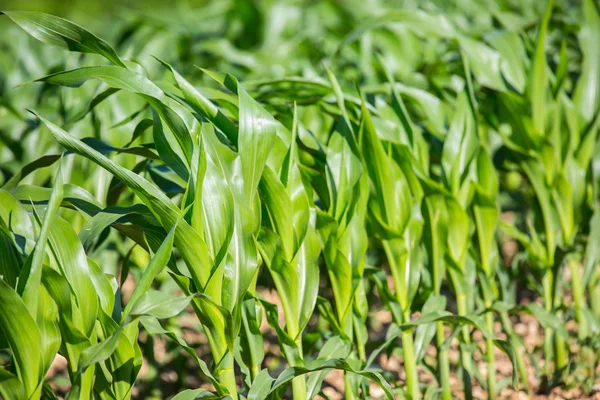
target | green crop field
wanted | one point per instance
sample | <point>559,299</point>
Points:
<point>300,199</point>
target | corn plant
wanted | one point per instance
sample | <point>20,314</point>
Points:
<point>552,160</point>
<point>347,157</point>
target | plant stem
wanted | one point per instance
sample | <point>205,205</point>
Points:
<point>465,356</point>
<point>578,298</point>
<point>443,363</point>
<point>410,365</point>
<point>491,362</point>
<point>560,344</point>
<point>299,382</point>
<point>488,291</point>
<point>397,267</point>
<point>226,375</point>
<point>348,388</point>
<point>548,283</point>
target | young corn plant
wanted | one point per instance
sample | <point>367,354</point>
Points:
<point>485,212</point>
<point>218,275</point>
<point>227,180</point>
<point>552,147</point>
<point>391,210</point>
<point>291,252</point>
<point>343,232</point>
<point>66,305</point>
<point>448,232</point>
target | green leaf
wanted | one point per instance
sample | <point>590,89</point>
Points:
<point>458,233</point>
<point>178,135</point>
<point>257,132</point>
<point>30,278</point>
<point>251,339</point>
<point>23,337</point>
<point>10,386</point>
<point>99,351</point>
<point>62,33</point>
<point>336,347</point>
<point>261,387</point>
<point>539,76</point>
<point>547,319</point>
<point>191,245</point>
<point>335,363</point>
<point>157,264</point>
<point>392,198</point>
<point>435,236</point>
<point>587,91</point>
<point>203,106</point>
<point>279,207</point>
<point>159,304</point>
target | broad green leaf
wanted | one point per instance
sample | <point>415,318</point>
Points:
<point>392,196</point>
<point>336,347</point>
<point>10,386</point>
<point>257,133</point>
<point>458,232</point>
<point>588,86</point>
<point>435,234</point>
<point>486,62</point>
<point>186,239</point>
<point>538,79</point>
<point>69,258</point>
<point>23,337</point>
<point>178,135</point>
<point>251,340</point>
<point>160,304</point>
<point>62,33</point>
<point>99,351</point>
<point>512,51</point>
<point>261,388</point>
<point>275,198</point>
<point>203,106</point>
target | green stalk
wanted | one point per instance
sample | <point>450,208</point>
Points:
<point>553,299</point>
<point>548,283</point>
<point>491,362</point>
<point>87,384</point>
<point>226,374</point>
<point>488,290</point>
<point>349,331</point>
<point>412,379</point>
<point>299,382</point>
<point>349,392</point>
<point>465,356</point>
<point>578,298</point>
<point>443,362</point>
<point>397,267</point>
<point>560,346</point>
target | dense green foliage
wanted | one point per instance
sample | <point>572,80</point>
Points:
<point>353,156</point>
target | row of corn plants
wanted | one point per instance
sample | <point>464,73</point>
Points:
<point>347,199</point>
